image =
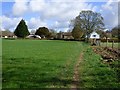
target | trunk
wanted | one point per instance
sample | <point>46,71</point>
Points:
<point>87,38</point>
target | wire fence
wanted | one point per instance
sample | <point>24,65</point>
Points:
<point>110,44</point>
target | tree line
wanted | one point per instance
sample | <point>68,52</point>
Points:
<point>83,24</point>
<point>22,31</point>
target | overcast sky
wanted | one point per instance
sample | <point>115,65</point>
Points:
<point>54,14</point>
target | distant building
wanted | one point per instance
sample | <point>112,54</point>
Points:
<point>7,34</point>
<point>94,35</point>
<point>94,38</point>
<point>67,35</point>
<point>64,35</point>
<point>59,35</point>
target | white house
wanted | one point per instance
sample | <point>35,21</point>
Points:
<point>94,35</point>
<point>94,38</point>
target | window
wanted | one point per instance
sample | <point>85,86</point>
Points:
<point>94,35</point>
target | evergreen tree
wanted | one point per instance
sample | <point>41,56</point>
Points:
<point>21,30</point>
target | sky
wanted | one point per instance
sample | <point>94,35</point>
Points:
<point>54,14</point>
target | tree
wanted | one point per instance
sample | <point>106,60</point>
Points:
<point>116,32</point>
<point>77,33</point>
<point>88,21</point>
<point>53,33</point>
<point>103,34</point>
<point>43,32</point>
<point>21,30</point>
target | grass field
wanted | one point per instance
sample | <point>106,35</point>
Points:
<point>33,63</point>
<point>50,64</point>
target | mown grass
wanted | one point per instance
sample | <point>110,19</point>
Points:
<point>39,63</point>
<point>96,74</point>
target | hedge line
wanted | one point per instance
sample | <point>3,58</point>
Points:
<point>110,40</point>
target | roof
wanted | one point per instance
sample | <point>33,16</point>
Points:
<point>94,35</point>
<point>6,33</point>
<point>67,33</point>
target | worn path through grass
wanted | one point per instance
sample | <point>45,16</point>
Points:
<point>76,80</point>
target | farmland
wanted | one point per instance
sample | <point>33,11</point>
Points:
<point>50,64</point>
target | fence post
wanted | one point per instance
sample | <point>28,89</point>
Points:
<point>99,42</point>
<point>112,43</point>
<point>107,43</point>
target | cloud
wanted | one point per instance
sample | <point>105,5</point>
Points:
<point>59,24</point>
<point>61,0</point>
<point>19,8</point>
<point>58,13</point>
<point>110,13</point>
<point>35,23</point>
<point>119,12</point>
<point>9,23</point>
<point>59,10</point>
<point>37,5</point>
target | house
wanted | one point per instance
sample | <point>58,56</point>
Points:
<point>64,35</point>
<point>94,38</point>
<point>94,35</point>
<point>67,35</point>
<point>59,35</point>
<point>7,34</point>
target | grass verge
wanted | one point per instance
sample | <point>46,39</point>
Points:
<point>95,74</point>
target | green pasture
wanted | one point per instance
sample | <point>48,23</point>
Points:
<point>50,64</point>
<point>36,63</point>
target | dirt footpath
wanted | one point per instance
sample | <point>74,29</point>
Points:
<point>76,75</point>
